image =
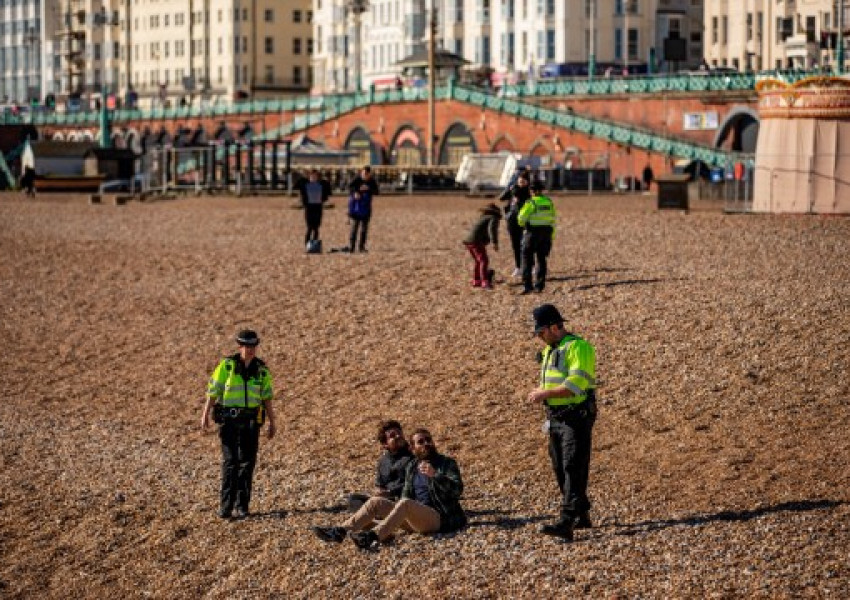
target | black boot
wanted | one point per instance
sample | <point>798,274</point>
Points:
<point>582,521</point>
<point>562,528</point>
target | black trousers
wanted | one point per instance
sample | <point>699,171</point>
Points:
<point>313,217</point>
<point>515,232</point>
<point>240,440</point>
<point>536,245</point>
<point>362,225</point>
<point>570,436</point>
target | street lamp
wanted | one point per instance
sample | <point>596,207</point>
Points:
<point>839,55</point>
<point>591,59</point>
<point>31,39</point>
<point>357,8</point>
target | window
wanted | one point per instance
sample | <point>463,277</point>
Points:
<point>633,44</point>
<point>310,46</point>
<point>245,44</point>
<point>296,45</point>
<point>269,15</point>
<point>714,32</point>
<point>296,75</point>
<point>165,20</point>
<point>269,75</point>
<point>296,16</point>
<point>310,15</point>
<point>269,45</point>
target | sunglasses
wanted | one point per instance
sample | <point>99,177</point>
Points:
<point>423,441</point>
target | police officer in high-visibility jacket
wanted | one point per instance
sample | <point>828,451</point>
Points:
<point>567,390</point>
<point>239,396</point>
<point>537,216</point>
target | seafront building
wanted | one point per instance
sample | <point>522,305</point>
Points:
<point>755,35</point>
<point>154,52</point>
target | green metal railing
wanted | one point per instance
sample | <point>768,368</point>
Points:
<point>677,82</point>
<point>605,130</point>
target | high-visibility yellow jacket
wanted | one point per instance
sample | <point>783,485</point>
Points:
<point>571,364</point>
<point>228,385</point>
<point>538,211</point>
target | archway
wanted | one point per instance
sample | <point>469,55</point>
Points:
<point>407,149</point>
<point>542,150</point>
<point>457,143</point>
<point>503,144</point>
<point>743,124</point>
<point>360,142</point>
<point>199,137</point>
<point>224,134</point>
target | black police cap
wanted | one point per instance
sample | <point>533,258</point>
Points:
<point>247,337</point>
<point>546,315</point>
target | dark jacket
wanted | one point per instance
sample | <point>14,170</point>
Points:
<point>358,182</point>
<point>446,488</point>
<point>518,195</point>
<point>391,471</point>
<point>302,189</point>
<point>485,230</point>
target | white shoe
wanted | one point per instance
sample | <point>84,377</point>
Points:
<point>517,273</point>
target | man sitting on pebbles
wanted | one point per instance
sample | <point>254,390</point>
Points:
<point>430,501</point>
<point>389,476</point>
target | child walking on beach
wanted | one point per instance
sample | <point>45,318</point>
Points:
<point>484,231</point>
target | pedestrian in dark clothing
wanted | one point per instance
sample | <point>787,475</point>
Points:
<point>648,177</point>
<point>515,196</point>
<point>362,189</point>
<point>484,231</point>
<point>315,192</point>
<point>389,476</point>
<point>28,181</point>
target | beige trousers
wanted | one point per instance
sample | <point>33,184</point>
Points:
<point>405,514</point>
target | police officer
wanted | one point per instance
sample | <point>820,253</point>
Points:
<point>538,217</point>
<point>567,390</point>
<point>239,396</point>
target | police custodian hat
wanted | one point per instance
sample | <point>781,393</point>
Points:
<point>544,316</point>
<point>247,337</point>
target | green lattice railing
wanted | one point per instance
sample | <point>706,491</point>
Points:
<point>605,130</point>
<point>678,82</point>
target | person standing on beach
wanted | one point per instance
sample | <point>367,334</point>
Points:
<point>362,189</point>
<point>239,398</point>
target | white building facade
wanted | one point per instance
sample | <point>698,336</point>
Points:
<point>515,38</point>
<point>754,35</point>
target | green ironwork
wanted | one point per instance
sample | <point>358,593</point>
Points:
<point>606,130</point>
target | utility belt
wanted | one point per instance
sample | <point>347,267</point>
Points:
<point>238,413</point>
<point>584,409</point>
